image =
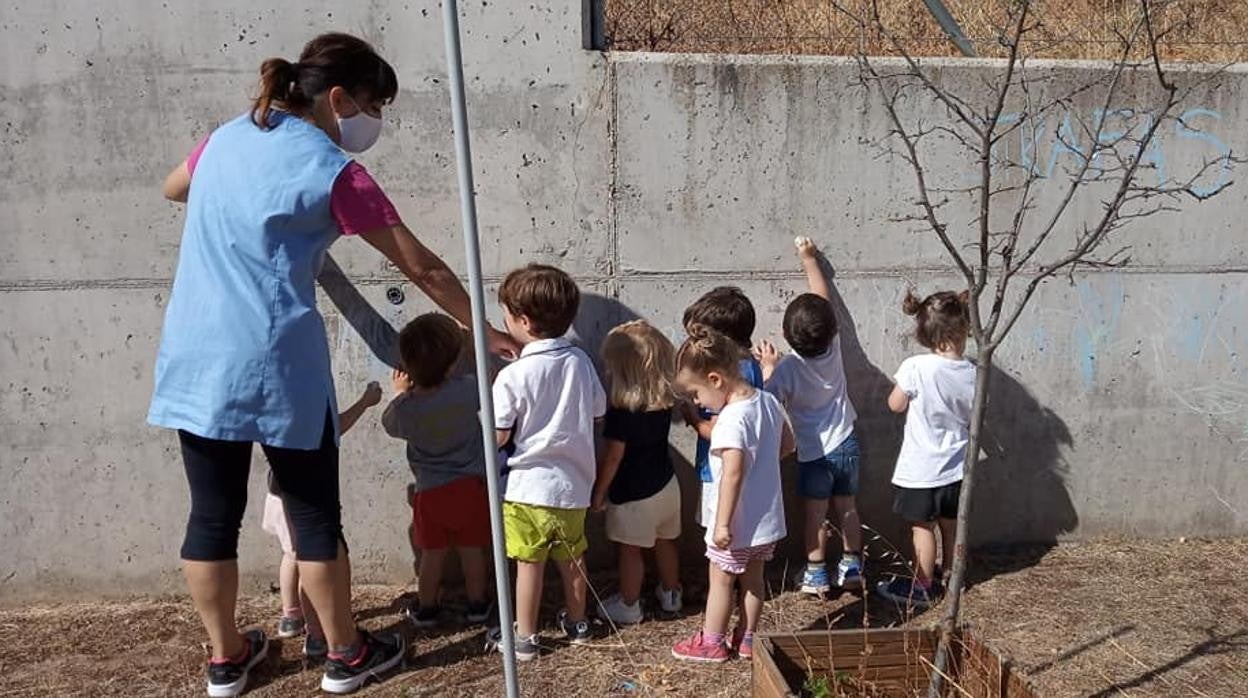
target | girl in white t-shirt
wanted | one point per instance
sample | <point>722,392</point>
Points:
<point>745,509</point>
<point>935,390</point>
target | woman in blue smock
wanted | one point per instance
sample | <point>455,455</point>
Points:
<point>243,355</point>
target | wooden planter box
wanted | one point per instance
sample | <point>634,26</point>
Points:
<point>883,662</point>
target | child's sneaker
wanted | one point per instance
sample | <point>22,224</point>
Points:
<point>815,579</point>
<point>615,610</point>
<point>422,617</point>
<point>743,647</point>
<point>376,657</point>
<point>670,600</point>
<point>315,649</point>
<point>288,626</point>
<point>478,612</point>
<point>849,573</point>
<point>527,648</point>
<point>694,650</point>
<point>578,633</point>
<point>904,591</point>
<point>228,678</point>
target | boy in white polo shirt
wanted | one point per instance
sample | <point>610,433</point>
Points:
<point>545,405</point>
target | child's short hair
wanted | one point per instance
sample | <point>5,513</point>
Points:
<point>707,350</point>
<point>943,318</point>
<point>547,296</point>
<point>809,325</point>
<point>640,363</point>
<point>725,309</point>
<point>428,347</point>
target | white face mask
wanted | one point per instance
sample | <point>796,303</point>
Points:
<point>359,132</point>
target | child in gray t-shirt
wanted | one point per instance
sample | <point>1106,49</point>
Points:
<point>435,411</point>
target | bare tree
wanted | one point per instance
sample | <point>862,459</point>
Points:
<point>1017,238</point>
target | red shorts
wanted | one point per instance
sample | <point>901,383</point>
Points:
<point>456,514</point>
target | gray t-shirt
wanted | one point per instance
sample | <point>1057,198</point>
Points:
<point>442,431</point>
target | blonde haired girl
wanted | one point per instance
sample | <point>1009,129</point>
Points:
<point>636,484</point>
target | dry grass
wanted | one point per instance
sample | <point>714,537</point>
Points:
<point>1134,619</point>
<point>1194,30</point>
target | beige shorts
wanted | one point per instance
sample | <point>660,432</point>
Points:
<point>274,521</point>
<point>642,522</point>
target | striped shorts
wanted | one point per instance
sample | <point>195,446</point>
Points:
<point>735,561</point>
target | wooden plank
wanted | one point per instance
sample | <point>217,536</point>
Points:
<point>768,682</point>
<point>857,645</point>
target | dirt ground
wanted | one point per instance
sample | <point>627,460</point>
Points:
<point>1103,619</point>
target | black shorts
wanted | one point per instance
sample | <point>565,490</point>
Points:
<point>927,504</point>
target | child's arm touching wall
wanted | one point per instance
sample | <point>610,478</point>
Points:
<point>768,356</point>
<point>370,397</point>
<point>392,419</point>
<point>608,466</point>
<point>808,253</point>
<point>729,494</point>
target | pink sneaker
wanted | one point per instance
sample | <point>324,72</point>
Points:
<point>744,650</point>
<point>694,650</point>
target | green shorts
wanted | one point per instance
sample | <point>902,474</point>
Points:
<point>535,533</point>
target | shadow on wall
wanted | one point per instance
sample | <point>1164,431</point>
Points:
<point>1021,496</point>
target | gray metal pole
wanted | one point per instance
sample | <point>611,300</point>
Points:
<point>950,25</point>
<point>472,253</point>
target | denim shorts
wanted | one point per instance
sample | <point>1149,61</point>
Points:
<point>834,475</point>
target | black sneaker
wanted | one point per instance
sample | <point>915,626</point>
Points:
<point>315,648</point>
<point>478,613</point>
<point>424,616</point>
<point>576,632</point>
<point>228,679</point>
<point>376,657</point>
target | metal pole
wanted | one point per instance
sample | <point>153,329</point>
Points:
<point>472,253</point>
<point>950,25</point>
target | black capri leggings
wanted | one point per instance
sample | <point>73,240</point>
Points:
<point>217,472</point>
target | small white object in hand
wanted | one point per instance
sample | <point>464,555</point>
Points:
<point>800,240</point>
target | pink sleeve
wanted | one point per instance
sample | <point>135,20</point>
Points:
<point>193,159</point>
<point>358,204</point>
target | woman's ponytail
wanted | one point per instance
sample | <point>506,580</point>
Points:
<point>278,78</point>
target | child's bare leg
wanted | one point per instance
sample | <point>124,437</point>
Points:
<point>311,621</point>
<point>288,584</point>
<point>528,595</point>
<point>575,587</point>
<point>719,602</point>
<point>847,519</point>
<point>632,572</point>
<point>667,560</point>
<point>948,534</point>
<point>472,562</point>
<point>753,591</point>
<point>816,533</point>
<point>924,539</point>
<point>429,578</point>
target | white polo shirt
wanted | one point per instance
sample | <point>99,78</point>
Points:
<point>550,396</point>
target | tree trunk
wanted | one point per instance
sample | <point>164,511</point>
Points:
<point>957,577</point>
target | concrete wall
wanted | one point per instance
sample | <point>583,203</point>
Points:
<point>1120,408</point>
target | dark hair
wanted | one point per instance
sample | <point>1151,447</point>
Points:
<point>329,60</point>
<point>708,350</point>
<point>943,318</point>
<point>547,296</point>
<point>428,347</point>
<point>726,310</point>
<point>809,325</point>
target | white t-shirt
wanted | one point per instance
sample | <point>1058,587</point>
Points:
<point>550,396</point>
<point>753,425</point>
<point>814,393</point>
<point>941,392</point>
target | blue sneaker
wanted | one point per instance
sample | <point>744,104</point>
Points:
<point>849,573</point>
<point>905,592</point>
<point>815,580</point>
